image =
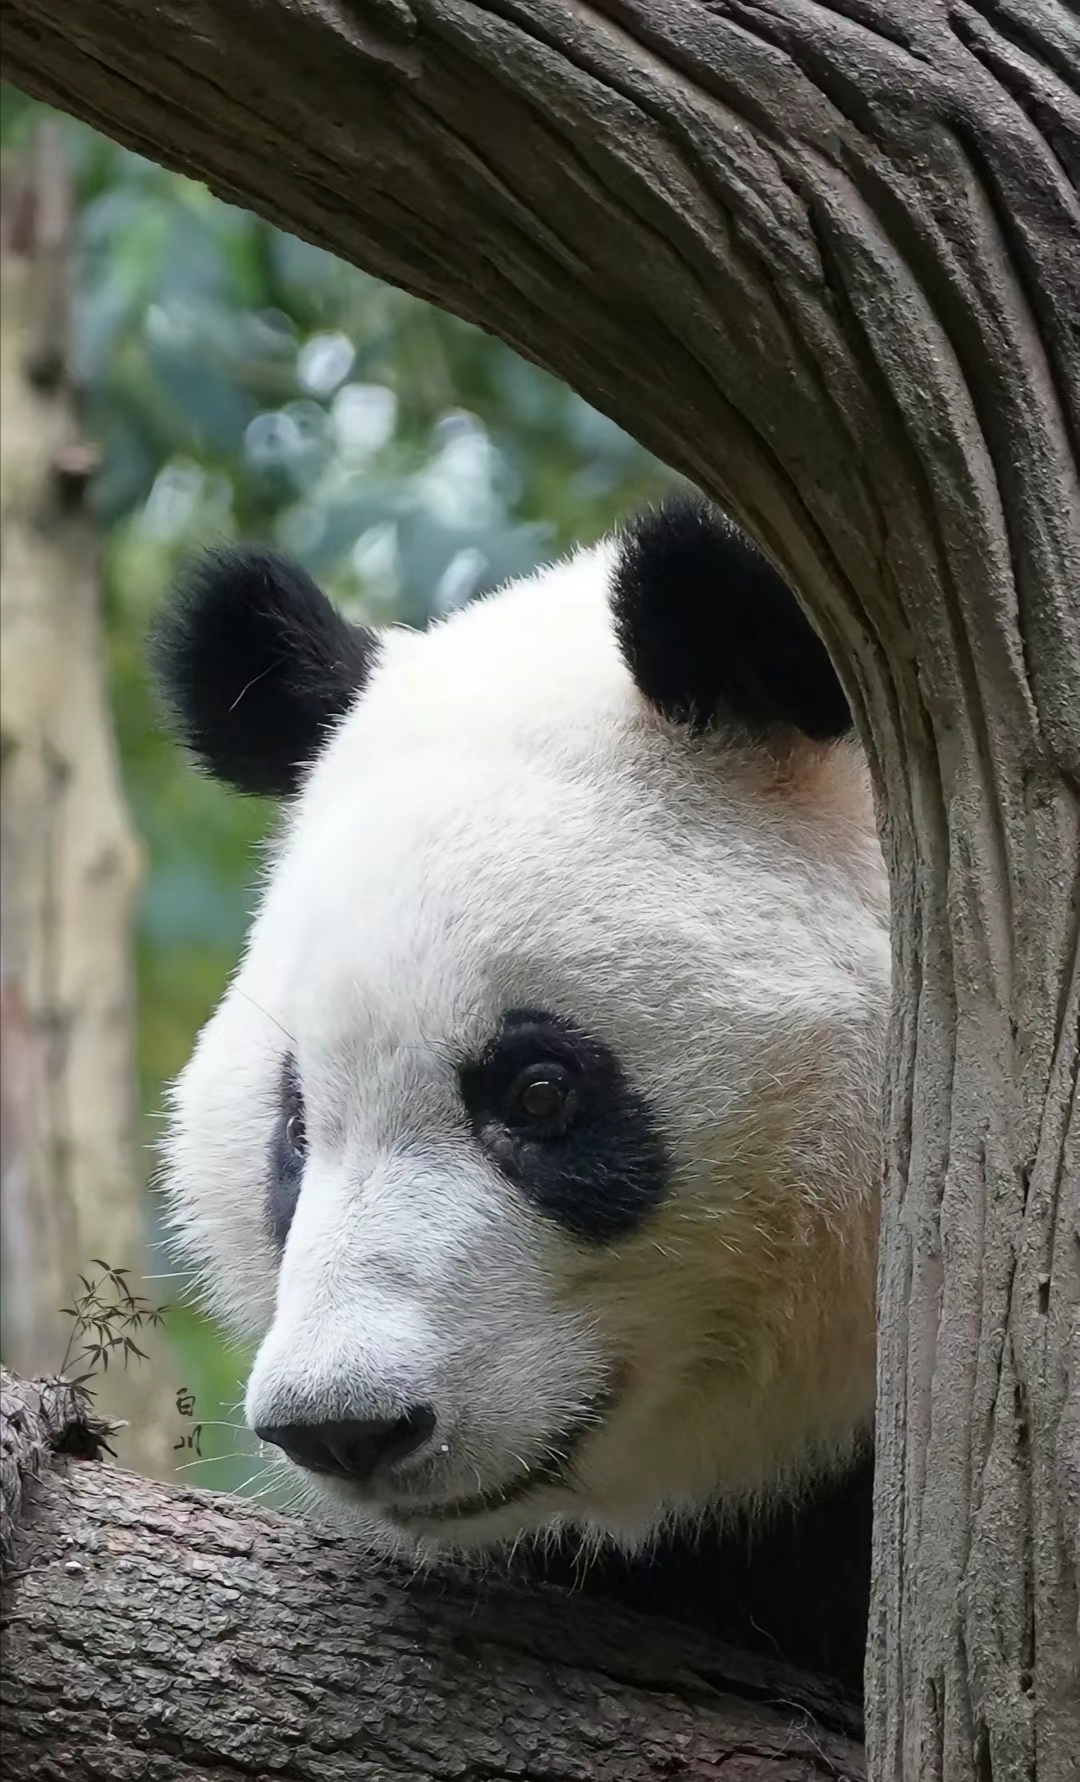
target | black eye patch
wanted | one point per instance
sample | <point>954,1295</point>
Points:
<point>288,1154</point>
<point>553,1109</point>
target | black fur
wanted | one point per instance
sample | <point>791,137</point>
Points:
<point>602,1174</point>
<point>288,1152</point>
<point>709,630</point>
<point>254,664</point>
<point>793,1584</point>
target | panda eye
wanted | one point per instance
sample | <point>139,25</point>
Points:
<point>296,1134</point>
<point>541,1101</point>
<point>288,1153</point>
<point>551,1108</point>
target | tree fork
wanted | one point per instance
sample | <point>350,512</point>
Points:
<point>822,256</point>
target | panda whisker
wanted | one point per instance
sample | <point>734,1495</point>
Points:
<point>212,1459</point>
<point>237,990</point>
<point>254,681</point>
<point>298,1495</point>
<point>430,1048</point>
<point>242,1490</point>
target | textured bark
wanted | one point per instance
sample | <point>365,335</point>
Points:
<point>180,1635</point>
<point>821,255</point>
<point>72,1185</point>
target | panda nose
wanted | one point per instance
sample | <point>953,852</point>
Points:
<point>354,1449</point>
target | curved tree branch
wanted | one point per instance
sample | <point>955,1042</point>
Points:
<point>822,256</point>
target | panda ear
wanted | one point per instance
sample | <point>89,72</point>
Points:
<point>253,665</point>
<point>709,630</point>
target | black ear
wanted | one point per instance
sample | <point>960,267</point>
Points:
<point>253,664</point>
<point>709,630</point>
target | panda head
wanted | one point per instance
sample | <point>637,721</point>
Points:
<point>535,1139</point>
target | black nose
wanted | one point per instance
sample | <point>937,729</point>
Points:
<point>356,1449</point>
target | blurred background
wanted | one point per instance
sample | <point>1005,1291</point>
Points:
<point>177,373</point>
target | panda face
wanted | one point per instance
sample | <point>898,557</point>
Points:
<point>535,1140</point>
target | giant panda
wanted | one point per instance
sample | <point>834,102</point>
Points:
<point>535,1142</point>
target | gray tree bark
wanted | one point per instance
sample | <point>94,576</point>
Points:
<point>824,257</point>
<point>182,1635</point>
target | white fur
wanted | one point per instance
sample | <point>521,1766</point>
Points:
<point>502,821</point>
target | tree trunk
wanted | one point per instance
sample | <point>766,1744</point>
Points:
<point>72,1186</point>
<point>821,255</point>
<point>179,1634</point>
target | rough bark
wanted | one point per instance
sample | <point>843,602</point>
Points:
<point>822,256</point>
<point>72,1185</point>
<point>156,1632</point>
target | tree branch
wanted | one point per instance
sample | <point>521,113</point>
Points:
<point>147,1626</point>
<point>660,199</point>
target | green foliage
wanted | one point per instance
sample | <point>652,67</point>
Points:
<point>244,384</point>
<point>104,1317</point>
